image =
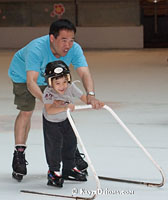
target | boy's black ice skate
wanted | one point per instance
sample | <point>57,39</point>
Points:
<point>74,175</point>
<point>81,164</point>
<point>55,179</point>
<point>19,165</point>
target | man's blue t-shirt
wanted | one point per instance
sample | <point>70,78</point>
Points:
<point>36,55</point>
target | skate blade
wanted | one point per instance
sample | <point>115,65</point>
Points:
<point>59,184</point>
<point>85,172</point>
<point>18,177</point>
<point>70,178</point>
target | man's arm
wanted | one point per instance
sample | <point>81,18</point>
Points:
<point>86,78</point>
<point>32,84</point>
<point>88,84</point>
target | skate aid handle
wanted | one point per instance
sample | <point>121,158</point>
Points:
<point>80,107</point>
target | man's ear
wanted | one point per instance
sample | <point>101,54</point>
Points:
<point>52,38</point>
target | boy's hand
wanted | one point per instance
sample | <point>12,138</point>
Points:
<point>59,103</point>
<point>71,107</point>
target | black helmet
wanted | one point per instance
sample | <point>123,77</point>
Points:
<point>56,69</point>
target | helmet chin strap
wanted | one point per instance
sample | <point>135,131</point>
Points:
<point>49,82</point>
<point>69,78</point>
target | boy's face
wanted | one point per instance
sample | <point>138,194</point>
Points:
<point>60,85</point>
<point>62,44</point>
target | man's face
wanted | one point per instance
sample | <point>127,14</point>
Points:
<point>62,44</point>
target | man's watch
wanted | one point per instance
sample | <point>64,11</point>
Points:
<point>91,93</point>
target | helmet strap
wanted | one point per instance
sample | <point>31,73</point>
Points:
<point>69,78</point>
<point>49,82</point>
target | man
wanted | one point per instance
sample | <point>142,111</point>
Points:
<point>26,72</point>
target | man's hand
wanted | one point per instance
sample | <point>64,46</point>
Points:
<point>96,104</point>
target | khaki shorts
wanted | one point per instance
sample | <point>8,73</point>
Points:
<point>24,100</point>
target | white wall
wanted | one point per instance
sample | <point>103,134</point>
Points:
<point>88,37</point>
<point>111,37</point>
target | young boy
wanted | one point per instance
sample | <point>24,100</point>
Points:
<point>59,138</point>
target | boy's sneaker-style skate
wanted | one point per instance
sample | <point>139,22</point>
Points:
<point>19,164</point>
<point>74,175</point>
<point>81,164</point>
<point>55,179</point>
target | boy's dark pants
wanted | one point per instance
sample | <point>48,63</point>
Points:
<point>60,144</point>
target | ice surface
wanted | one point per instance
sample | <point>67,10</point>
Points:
<point>134,84</point>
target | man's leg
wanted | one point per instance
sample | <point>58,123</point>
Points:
<point>22,127</point>
<point>25,102</point>
<point>81,164</point>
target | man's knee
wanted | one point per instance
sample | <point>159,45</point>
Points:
<point>26,114</point>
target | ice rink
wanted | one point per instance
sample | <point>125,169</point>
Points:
<point>134,83</point>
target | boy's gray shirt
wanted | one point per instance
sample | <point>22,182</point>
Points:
<point>50,95</point>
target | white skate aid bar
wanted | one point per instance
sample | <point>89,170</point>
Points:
<point>81,107</point>
<point>94,195</point>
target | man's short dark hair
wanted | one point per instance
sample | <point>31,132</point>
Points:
<point>61,24</point>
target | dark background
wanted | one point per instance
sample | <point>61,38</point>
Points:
<point>92,13</point>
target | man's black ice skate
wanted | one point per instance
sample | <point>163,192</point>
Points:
<point>81,164</point>
<point>55,179</point>
<point>19,165</point>
<point>74,175</point>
